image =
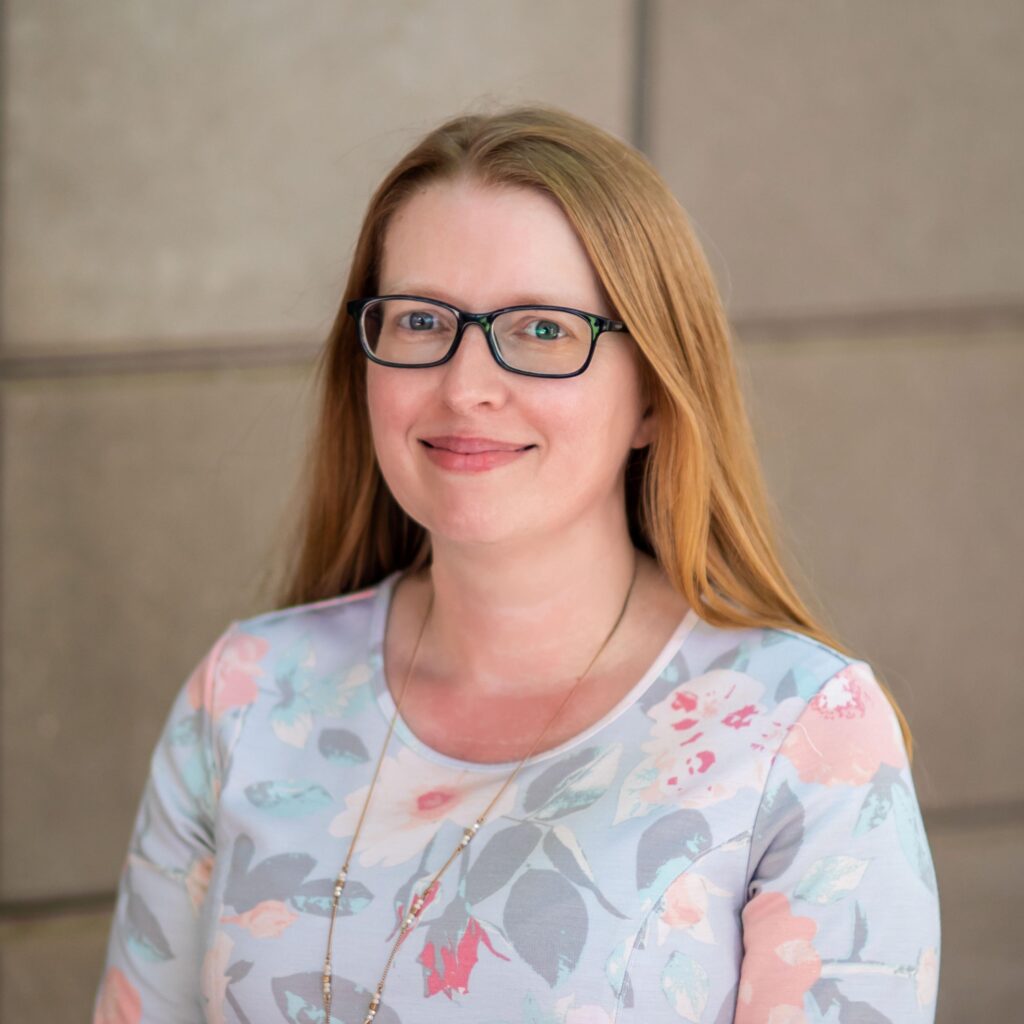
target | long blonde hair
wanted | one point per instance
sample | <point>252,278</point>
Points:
<point>695,496</point>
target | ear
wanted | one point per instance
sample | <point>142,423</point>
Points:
<point>646,429</point>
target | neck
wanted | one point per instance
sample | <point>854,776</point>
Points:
<point>521,621</point>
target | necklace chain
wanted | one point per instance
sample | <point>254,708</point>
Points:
<point>418,902</point>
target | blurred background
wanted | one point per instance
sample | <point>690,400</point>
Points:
<point>181,187</point>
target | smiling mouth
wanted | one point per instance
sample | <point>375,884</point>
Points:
<point>441,448</point>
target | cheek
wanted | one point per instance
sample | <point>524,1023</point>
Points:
<point>391,411</point>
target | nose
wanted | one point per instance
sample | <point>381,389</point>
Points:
<point>472,375</point>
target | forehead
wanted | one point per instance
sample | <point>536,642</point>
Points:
<point>482,247</point>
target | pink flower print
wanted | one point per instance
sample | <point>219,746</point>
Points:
<point>412,800</point>
<point>685,905</point>
<point>927,976</point>
<point>691,727</point>
<point>780,964</point>
<point>197,881</point>
<point>237,672</point>
<point>267,920</point>
<point>119,1001</point>
<point>846,732</point>
<point>213,977</point>
<point>587,1015</point>
<point>447,967</point>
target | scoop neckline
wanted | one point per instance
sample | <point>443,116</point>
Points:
<point>386,704</point>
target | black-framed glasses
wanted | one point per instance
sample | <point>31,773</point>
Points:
<point>539,341</point>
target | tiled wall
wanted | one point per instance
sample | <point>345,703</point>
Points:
<point>181,185</point>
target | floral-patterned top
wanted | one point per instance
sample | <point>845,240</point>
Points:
<point>738,839</point>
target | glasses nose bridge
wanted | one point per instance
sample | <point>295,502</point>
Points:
<point>483,320</point>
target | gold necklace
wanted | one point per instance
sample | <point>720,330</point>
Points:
<point>416,905</point>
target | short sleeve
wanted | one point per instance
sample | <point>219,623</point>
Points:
<point>842,915</point>
<point>152,968</point>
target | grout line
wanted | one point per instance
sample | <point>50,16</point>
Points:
<point>16,912</point>
<point>28,362</point>
<point>963,817</point>
<point>639,114</point>
<point>155,358</point>
<point>858,325</point>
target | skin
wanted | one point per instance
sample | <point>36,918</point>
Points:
<point>531,560</point>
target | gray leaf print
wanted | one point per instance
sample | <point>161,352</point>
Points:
<point>658,691</point>
<point>860,933</point>
<point>546,921</point>
<point>565,854</point>
<point>342,745</point>
<point>238,970</point>
<point>500,859</point>
<point>826,994</point>
<point>679,836</point>
<point>315,897</point>
<point>581,787</point>
<point>727,1010</point>
<point>300,1000</point>
<point>780,826</point>
<point>878,803</point>
<point>144,929</point>
<point>736,659</point>
<point>544,786</point>
<point>275,878</point>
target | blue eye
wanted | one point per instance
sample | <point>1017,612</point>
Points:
<point>419,320</point>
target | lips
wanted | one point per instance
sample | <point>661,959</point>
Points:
<point>473,445</point>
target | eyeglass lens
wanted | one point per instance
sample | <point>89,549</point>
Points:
<point>537,340</point>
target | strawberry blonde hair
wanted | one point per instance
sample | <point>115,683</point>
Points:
<point>695,496</point>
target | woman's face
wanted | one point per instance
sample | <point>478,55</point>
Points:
<point>481,248</point>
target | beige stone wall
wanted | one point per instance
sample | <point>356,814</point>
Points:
<point>181,186</point>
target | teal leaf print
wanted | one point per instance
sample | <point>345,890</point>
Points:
<point>831,879</point>
<point>315,897</point>
<point>288,798</point>
<point>500,859</point>
<point>144,931</point>
<point>910,829</point>
<point>669,845</point>
<point>546,921</point>
<point>565,854</point>
<point>616,973</point>
<point>300,1000</point>
<point>685,984</point>
<point>572,784</point>
<point>342,745</point>
<point>631,803</point>
<point>799,681</point>
<point>307,695</point>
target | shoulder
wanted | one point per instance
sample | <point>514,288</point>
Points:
<point>344,616</point>
<point>783,667</point>
<point>773,691</point>
<point>288,643</point>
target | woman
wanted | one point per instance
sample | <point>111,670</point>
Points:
<point>540,730</point>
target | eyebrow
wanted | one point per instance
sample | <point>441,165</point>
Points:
<point>522,299</point>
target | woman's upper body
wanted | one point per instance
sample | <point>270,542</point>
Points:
<point>722,824</point>
<point>736,838</point>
